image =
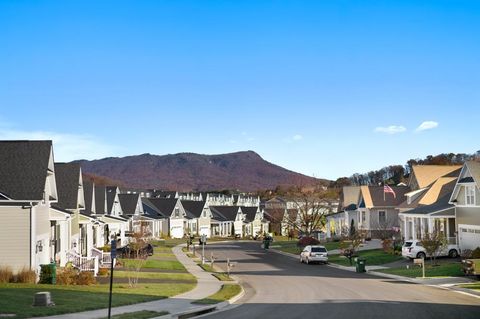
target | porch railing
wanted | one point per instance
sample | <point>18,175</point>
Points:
<point>83,263</point>
<point>104,258</point>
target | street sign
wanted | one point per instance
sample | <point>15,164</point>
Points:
<point>113,249</point>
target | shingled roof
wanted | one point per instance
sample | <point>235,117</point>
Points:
<point>129,203</point>
<point>88,196</point>
<point>193,208</point>
<point>224,213</point>
<point>164,205</point>
<point>440,204</point>
<point>23,168</point>
<point>474,169</point>
<point>150,210</point>
<point>249,212</point>
<point>425,175</point>
<point>373,196</point>
<point>111,192</point>
<point>100,193</point>
<point>67,176</point>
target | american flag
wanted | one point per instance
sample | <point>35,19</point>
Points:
<point>388,189</point>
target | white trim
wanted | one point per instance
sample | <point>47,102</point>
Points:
<point>471,187</point>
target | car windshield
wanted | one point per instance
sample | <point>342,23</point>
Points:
<point>319,250</point>
<point>408,244</point>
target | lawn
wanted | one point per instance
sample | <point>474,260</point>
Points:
<point>442,270</point>
<point>290,246</point>
<point>373,257</point>
<point>475,286</point>
<point>225,293</point>
<point>219,275</point>
<point>18,298</point>
<point>145,314</point>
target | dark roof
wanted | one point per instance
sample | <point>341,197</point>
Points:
<point>224,213</point>
<point>128,203</point>
<point>351,207</point>
<point>250,212</point>
<point>468,179</point>
<point>415,202</point>
<point>274,215</point>
<point>67,176</point>
<point>164,205</point>
<point>88,196</point>
<point>193,208</point>
<point>100,200</point>
<point>376,193</point>
<point>150,210</point>
<point>440,204</point>
<point>61,209</point>
<point>111,192</point>
<point>23,168</point>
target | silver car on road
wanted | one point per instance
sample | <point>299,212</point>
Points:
<point>312,254</point>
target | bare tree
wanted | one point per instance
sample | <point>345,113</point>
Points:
<point>433,243</point>
<point>312,205</point>
<point>137,254</point>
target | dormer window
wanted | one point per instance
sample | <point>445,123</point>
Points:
<point>470,195</point>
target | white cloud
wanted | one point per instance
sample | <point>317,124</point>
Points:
<point>392,129</point>
<point>427,125</point>
<point>297,137</point>
<point>66,147</point>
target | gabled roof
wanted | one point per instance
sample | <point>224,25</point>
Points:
<point>224,213</point>
<point>129,203</point>
<point>437,190</point>
<point>249,212</point>
<point>111,192</point>
<point>100,193</point>
<point>373,196</point>
<point>151,210</point>
<point>67,176</point>
<point>425,175</point>
<point>88,196</point>
<point>274,214</point>
<point>23,168</point>
<point>349,196</point>
<point>164,205</point>
<point>440,205</point>
<point>474,169</point>
<point>193,208</point>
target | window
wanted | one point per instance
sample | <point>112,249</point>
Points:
<point>382,218</point>
<point>363,216</point>
<point>177,212</point>
<point>470,195</point>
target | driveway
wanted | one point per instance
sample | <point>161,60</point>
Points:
<point>281,287</point>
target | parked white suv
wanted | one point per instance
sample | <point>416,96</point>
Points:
<point>312,254</point>
<point>414,249</point>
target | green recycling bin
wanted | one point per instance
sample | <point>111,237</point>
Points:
<point>360,264</point>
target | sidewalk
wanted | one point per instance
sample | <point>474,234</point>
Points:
<point>206,285</point>
<point>441,282</point>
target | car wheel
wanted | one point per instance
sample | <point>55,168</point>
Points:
<point>453,253</point>
<point>421,255</point>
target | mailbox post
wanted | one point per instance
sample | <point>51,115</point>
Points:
<point>204,239</point>
<point>113,255</point>
<point>421,262</point>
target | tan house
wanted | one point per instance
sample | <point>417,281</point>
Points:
<point>27,188</point>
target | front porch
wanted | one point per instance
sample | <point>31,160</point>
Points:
<point>416,226</point>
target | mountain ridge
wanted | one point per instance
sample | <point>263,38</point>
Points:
<point>187,171</point>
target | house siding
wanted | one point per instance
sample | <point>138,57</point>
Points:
<point>468,215</point>
<point>15,237</point>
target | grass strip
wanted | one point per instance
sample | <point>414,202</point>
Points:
<point>145,314</point>
<point>442,270</point>
<point>227,292</point>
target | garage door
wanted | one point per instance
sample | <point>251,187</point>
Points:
<point>469,236</point>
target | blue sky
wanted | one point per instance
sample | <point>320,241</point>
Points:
<point>326,88</point>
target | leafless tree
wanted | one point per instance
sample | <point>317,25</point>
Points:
<point>433,243</point>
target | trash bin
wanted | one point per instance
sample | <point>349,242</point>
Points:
<point>48,273</point>
<point>266,243</point>
<point>360,264</point>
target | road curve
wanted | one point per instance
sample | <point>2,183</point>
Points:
<point>280,287</point>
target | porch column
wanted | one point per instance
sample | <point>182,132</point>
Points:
<point>447,230</point>
<point>405,229</point>
<point>430,225</point>
<point>421,228</point>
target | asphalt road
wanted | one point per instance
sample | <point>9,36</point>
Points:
<point>278,286</point>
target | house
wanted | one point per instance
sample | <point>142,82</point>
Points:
<point>227,221</point>
<point>466,198</point>
<point>339,223</point>
<point>132,209</point>
<point>27,188</point>
<point>200,217</point>
<point>255,224</point>
<point>246,200</point>
<point>290,221</point>
<point>218,199</point>
<point>109,211</point>
<point>177,217</point>
<point>433,213</point>
<point>378,211</point>
<point>274,217</point>
<point>159,220</point>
